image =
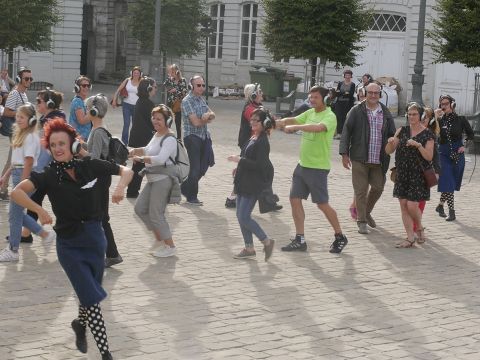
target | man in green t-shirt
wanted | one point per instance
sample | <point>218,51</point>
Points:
<point>310,176</point>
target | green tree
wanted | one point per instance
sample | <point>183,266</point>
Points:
<point>27,23</point>
<point>456,32</point>
<point>308,29</point>
<point>179,25</point>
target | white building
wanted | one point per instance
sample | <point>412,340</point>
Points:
<point>93,39</point>
<point>390,51</point>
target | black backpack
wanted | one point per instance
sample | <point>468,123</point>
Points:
<point>117,151</point>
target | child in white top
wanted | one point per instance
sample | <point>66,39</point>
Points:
<point>25,152</point>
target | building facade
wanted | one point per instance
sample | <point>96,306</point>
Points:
<point>93,39</point>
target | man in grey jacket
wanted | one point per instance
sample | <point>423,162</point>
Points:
<point>367,128</point>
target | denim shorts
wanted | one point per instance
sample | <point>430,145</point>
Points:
<point>312,182</point>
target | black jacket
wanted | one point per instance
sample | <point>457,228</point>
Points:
<point>142,128</point>
<point>254,171</point>
<point>460,125</point>
<point>356,135</point>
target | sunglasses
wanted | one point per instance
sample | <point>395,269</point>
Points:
<point>85,85</point>
<point>200,85</point>
<point>28,78</point>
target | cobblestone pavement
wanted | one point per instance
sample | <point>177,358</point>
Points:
<point>371,302</point>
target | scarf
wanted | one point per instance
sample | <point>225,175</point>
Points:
<point>60,168</point>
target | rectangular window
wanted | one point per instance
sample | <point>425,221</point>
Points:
<point>215,46</point>
<point>248,34</point>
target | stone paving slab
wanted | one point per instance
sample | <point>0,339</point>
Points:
<point>371,302</point>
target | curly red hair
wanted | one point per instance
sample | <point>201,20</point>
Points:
<point>57,124</point>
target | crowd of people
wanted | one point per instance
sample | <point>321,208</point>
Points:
<point>68,160</point>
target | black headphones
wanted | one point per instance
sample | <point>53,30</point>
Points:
<point>32,121</point>
<point>194,77</point>
<point>150,85</point>
<point>50,103</point>
<point>76,86</point>
<point>453,104</point>
<point>255,91</point>
<point>22,69</point>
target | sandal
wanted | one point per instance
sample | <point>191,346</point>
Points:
<point>406,243</point>
<point>421,235</point>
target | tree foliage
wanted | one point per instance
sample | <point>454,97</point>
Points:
<point>456,32</point>
<point>179,25</point>
<point>27,23</point>
<point>329,29</point>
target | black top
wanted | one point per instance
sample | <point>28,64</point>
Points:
<point>74,202</point>
<point>459,125</point>
<point>142,128</point>
<point>253,170</point>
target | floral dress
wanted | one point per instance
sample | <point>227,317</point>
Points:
<point>180,86</point>
<point>410,183</point>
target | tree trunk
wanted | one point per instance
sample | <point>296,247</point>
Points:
<point>313,63</point>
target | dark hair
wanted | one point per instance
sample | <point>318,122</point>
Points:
<point>369,77</point>
<point>347,72</point>
<point>55,96</point>
<point>57,124</point>
<point>268,123</point>
<point>23,70</point>
<point>320,89</point>
<point>143,86</point>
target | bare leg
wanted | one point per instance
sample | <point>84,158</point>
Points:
<point>331,216</point>
<point>298,214</point>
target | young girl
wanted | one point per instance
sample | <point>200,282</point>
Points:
<point>25,153</point>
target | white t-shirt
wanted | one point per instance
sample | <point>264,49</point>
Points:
<point>160,156</point>
<point>132,93</point>
<point>30,148</point>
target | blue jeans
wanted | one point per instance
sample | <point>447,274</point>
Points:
<point>195,147</point>
<point>248,226</point>
<point>128,111</point>
<point>17,217</point>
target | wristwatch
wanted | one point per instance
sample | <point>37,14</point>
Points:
<point>142,159</point>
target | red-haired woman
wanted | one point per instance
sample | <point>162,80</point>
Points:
<point>73,186</point>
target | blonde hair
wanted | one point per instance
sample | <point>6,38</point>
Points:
<point>19,135</point>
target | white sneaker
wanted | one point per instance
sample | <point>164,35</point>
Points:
<point>51,237</point>
<point>7,255</point>
<point>166,251</point>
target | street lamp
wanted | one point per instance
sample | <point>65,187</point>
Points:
<point>417,77</point>
<point>156,50</point>
<point>206,23</point>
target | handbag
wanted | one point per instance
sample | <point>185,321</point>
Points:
<point>393,174</point>
<point>431,178</point>
<point>124,92</point>
<point>177,106</point>
<point>429,174</point>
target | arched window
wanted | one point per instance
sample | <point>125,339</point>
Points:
<point>388,22</point>
<point>248,35</point>
<point>217,13</point>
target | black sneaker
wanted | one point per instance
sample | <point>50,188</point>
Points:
<point>338,244</point>
<point>295,245</point>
